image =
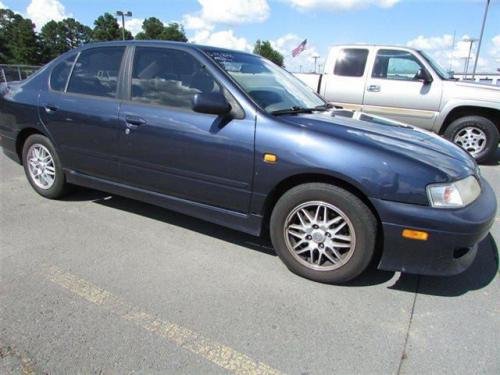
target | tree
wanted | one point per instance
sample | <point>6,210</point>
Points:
<point>153,28</point>
<point>59,37</point>
<point>265,49</point>
<point>18,39</point>
<point>106,28</point>
<point>174,31</point>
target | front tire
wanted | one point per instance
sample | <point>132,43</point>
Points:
<point>476,135</point>
<point>323,233</point>
<point>43,167</point>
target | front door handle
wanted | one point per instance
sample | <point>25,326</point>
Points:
<point>49,108</point>
<point>373,88</point>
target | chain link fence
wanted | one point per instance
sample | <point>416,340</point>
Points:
<point>10,73</point>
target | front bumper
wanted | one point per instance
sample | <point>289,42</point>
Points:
<point>453,234</point>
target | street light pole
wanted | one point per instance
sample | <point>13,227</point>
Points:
<point>123,14</point>
<point>480,38</point>
<point>315,57</point>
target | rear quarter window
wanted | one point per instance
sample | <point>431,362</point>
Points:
<point>60,73</point>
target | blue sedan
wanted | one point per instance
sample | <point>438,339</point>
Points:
<point>231,138</point>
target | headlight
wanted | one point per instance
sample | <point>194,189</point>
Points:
<point>455,194</point>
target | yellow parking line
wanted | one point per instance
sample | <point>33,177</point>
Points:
<point>217,353</point>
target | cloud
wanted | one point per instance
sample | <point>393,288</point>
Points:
<point>134,25</point>
<point>43,11</point>
<point>2,5</point>
<point>224,38</point>
<point>431,43</point>
<point>495,49</point>
<point>454,57</point>
<point>303,62</point>
<point>340,4</point>
<point>232,12</point>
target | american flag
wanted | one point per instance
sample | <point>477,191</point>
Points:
<point>297,50</point>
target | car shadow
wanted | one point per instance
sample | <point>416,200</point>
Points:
<point>482,272</point>
<point>495,160</point>
<point>477,276</point>
<point>171,217</point>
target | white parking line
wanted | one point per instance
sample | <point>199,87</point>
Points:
<point>220,354</point>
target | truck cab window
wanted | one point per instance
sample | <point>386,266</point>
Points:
<point>396,65</point>
<point>169,77</point>
<point>351,62</point>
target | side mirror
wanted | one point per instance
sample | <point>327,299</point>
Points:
<point>424,76</point>
<point>212,103</point>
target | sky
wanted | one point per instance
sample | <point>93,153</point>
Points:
<point>438,27</point>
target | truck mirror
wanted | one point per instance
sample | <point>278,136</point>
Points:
<point>424,76</point>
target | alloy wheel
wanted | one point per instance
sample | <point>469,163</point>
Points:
<point>472,139</point>
<point>319,235</point>
<point>41,166</point>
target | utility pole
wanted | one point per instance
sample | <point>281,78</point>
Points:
<point>471,41</point>
<point>452,50</point>
<point>480,37</point>
<point>123,14</point>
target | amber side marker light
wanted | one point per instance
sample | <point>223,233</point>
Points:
<point>415,234</point>
<point>270,158</point>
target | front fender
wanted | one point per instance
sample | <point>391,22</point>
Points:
<point>377,171</point>
<point>457,103</point>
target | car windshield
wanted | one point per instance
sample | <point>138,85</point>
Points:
<point>435,65</point>
<point>273,88</point>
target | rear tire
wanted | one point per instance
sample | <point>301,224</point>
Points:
<point>43,167</point>
<point>323,233</point>
<point>475,134</point>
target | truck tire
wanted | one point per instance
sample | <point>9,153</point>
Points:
<point>323,233</point>
<point>43,167</point>
<point>475,134</point>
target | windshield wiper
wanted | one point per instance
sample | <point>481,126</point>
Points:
<point>297,109</point>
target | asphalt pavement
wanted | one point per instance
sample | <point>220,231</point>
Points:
<point>106,285</point>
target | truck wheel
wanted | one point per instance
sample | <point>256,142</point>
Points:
<point>43,167</point>
<point>475,134</point>
<point>323,233</point>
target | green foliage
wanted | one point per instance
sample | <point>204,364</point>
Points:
<point>18,40</point>
<point>59,37</point>
<point>20,44</point>
<point>265,49</point>
<point>153,28</point>
<point>106,28</point>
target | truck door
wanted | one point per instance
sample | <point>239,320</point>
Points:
<point>395,89</point>
<point>343,83</point>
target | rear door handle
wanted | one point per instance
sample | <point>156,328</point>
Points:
<point>373,88</point>
<point>134,121</point>
<point>49,108</point>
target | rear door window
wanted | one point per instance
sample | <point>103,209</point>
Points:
<point>351,62</point>
<point>96,72</point>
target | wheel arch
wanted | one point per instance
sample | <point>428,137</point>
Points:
<point>299,179</point>
<point>21,138</point>
<point>470,110</point>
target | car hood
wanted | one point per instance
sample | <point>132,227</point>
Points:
<point>471,91</point>
<point>393,137</point>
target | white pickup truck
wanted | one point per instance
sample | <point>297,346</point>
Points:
<point>409,86</point>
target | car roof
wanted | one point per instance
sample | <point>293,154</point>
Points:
<point>163,43</point>
<point>390,46</point>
